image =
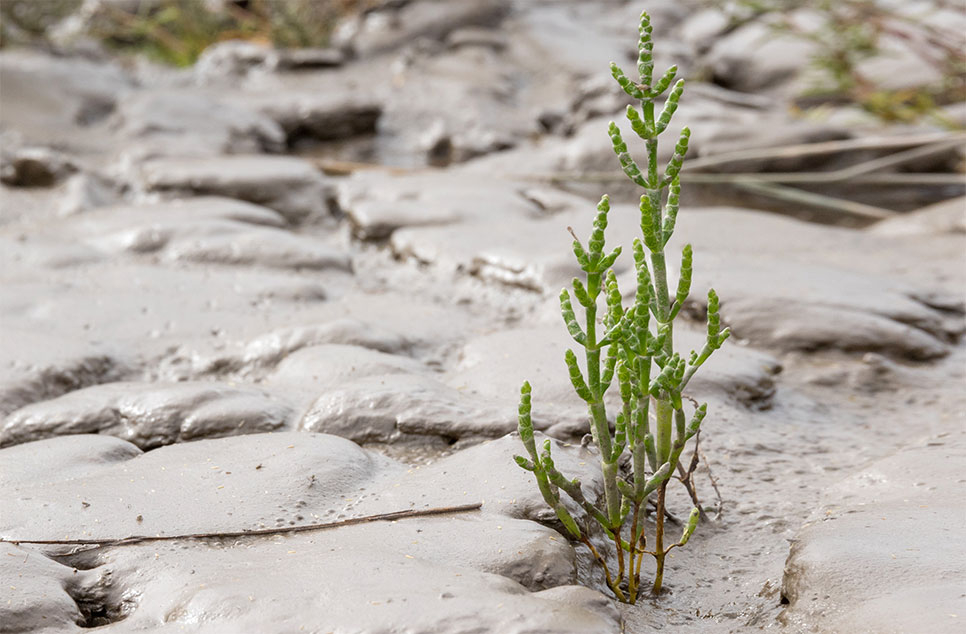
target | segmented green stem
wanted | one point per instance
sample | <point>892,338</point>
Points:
<point>631,346</point>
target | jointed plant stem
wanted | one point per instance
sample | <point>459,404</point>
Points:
<point>662,408</point>
<point>633,352</point>
<point>659,551</point>
<point>610,581</point>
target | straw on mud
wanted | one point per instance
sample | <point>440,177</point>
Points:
<point>135,539</point>
<point>825,147</point>
<point>768,183</point>
<point>816,200</point>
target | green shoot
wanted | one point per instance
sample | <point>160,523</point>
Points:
<point>635,345</point>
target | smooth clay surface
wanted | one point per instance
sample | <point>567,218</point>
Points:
<point>283,288</point>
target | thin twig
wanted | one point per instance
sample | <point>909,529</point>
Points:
<point>923,145</point>
<point>826,147</point>
<point>610,580</point>
<point>817,200</point>
<point>939,179</point>
<point>899,158</point>
<point>714,485</point>
<point>685,477</point>
<point>134,539</point>
<point>897,179</point>
<point>767,184</point>
<point>671,517</point>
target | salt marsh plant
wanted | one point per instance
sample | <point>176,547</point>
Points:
<point>634,347</point>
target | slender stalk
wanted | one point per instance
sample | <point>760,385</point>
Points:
<point>598,412</point>
<point>620,554</point>
<point>636,555</point>
<point>642,550</point>
<point>659,552</point>
<point>662,407</point>
<point>610,581</point>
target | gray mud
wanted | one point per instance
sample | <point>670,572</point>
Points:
<point>208,325</point>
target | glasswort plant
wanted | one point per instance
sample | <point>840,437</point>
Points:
<point>620,343</point>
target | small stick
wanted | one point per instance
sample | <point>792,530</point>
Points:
<point>816,200</point>
<point>134,539</point>
<point>610,581</point>
<point>824,147</point>
<point>671,517</point>
<point>941,179</point>
<point>686,476</point>
<point>714,485</point>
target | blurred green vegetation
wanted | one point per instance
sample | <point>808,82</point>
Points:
<point>853,31</point>
<point>177,31</point>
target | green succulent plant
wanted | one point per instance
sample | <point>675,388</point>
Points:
<point>635,345</point>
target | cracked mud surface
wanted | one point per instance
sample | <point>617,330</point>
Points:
<point>203,331</point>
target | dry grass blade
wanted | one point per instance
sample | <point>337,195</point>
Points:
<point>816,200</point>
<point>136,539</point>
<point>825,147</point>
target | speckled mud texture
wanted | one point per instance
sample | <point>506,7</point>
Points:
<point>283,288</point>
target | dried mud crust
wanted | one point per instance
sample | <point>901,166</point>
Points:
<point>170,284</point>
<point>454,569</point>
